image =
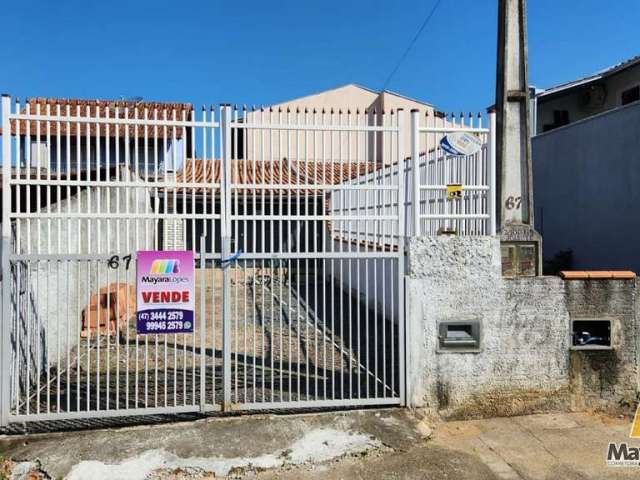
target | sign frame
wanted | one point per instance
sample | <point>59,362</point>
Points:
<point>165,293</point>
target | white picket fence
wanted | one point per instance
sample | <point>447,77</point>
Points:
<point>430,175</point>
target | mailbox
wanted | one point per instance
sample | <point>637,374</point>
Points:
<point>461,336</point>
<point>591,334</point>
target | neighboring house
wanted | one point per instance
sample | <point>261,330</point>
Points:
<point>586,173</point>
<point>340,106</point>
<point>74,147</point>
<point>582,98</point>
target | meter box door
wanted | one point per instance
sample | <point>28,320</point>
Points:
<point>519,259</point>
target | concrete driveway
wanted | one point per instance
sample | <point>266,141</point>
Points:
<point>372,444</point>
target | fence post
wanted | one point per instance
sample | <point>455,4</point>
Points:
<point>402,241</point>
<point>491,197</point>
<point>203,326</point>
<point>415,165</point>
<point>5,321</point>
<point>225,231</point>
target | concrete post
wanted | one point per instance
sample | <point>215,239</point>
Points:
<point>513,155</point>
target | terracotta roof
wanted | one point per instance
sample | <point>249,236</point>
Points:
<point>102,108</point>
<point>597,275</point>
<point>255,173</point>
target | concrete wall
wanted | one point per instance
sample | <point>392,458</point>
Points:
<point>572,100</point>
<point>525,363</point>
<point>585,186</point>
<point>372,281</point>
<point>603,379</point>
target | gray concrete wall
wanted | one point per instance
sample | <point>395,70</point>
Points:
<point>585,187</point>
<point>374,281</point>
<point>525,363</point>
<point>609,377</point>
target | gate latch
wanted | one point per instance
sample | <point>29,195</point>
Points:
<point>226,262</point>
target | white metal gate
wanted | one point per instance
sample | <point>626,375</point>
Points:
<point>299,262</point>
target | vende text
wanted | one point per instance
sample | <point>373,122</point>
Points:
<point>165,297</point>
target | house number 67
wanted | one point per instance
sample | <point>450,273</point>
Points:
<point>513,202</point>
<point>114,262</point>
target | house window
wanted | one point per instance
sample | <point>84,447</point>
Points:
<point>630,95</point>
<point>560,118</point>
<point>39,154</point>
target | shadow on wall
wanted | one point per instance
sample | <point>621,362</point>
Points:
<point>562,260</point>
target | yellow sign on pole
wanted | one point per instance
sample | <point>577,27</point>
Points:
<point>454,190</point>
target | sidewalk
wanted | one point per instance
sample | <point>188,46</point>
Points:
<point>372,444</point>
<point>563,446</point>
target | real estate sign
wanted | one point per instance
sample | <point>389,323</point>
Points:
<point>165,292</point>
<point>461,143</point>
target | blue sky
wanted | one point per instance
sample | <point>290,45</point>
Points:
<point>262,52</point>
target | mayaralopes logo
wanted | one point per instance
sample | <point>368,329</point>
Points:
<point>165,267</point>
<point>622,454</point>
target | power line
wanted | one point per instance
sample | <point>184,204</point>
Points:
<point>415,39</point>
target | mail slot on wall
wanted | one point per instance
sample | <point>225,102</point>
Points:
<point>459,336</point>
<point>591,334</point>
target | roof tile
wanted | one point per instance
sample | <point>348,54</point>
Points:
<point>102,108</point>
<point>257,173</point>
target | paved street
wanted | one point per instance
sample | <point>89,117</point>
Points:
<point>372,444</point>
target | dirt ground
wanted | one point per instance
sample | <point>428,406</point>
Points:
<point>373,444</point>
